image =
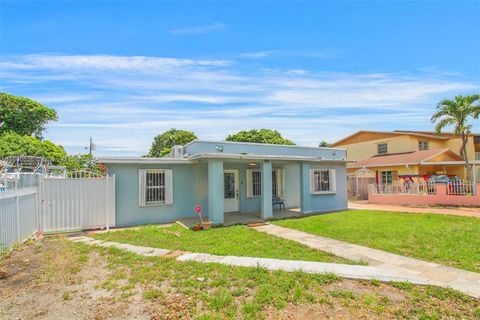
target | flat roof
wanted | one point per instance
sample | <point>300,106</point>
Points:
<point>263,144</point>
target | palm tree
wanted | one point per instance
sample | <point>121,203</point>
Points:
<point>457,113</point>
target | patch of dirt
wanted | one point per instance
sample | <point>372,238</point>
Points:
<point>318,311</point>
<point>365,287</point>
<point>49,280</point>
<point>29,292</point>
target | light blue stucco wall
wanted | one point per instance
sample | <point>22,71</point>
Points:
<point>128,211</point>
<point>311,203</point>
<point>191,185</point>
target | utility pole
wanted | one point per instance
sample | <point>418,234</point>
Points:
<point>91,146</point>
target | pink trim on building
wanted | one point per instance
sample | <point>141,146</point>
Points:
<point>441,197</point>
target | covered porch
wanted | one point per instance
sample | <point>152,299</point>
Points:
<point>239,189</point>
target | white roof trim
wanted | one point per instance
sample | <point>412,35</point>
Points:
<point>476,162</point>
<point>142,160</point>
<point>385,165</point>
<point>261,157</point>
<point>264,144</point>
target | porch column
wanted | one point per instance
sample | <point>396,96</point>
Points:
<point>215,191</point>
<point>266,168</point>
<point>305,187</point>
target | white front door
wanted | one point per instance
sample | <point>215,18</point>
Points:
<point>231,190</point>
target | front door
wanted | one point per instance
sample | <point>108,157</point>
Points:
<point>231,191</point>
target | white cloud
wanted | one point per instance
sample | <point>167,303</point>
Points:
<point>100,62</point>
<point>123,102</point>
<point>198,29</point>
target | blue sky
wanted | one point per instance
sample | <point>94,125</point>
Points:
<point>123,71</point>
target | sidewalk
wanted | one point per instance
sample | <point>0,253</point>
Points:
<point>460,211</point>
<point>342,270</point>
<point>434,273</point>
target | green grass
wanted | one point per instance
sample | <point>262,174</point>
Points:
<point>227,292</point>
<point>448,240</point>
<point>236,240</point>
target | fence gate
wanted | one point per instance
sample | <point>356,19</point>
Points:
<point>358,183</point>
<point>80,201</point>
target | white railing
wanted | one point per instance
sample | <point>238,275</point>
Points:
<point>460,188</point>
<point>401,187</point>
<point>18,216</point>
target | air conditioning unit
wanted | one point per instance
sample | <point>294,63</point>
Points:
<point>177,152</point>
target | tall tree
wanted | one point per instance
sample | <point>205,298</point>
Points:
<point>324,144</point>
<point>12,144</point>
<point>259,136</point>
<point>457,113</point>
<point>24,116</point>
<point>163,143</point>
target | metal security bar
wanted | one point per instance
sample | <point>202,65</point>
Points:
<point>460,188</point>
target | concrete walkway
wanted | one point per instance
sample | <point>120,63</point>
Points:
<point>343,270</point>
<point>434,273</point>
<point>460,211</point>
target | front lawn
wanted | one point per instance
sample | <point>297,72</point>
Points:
<point>235,241</point>
<point>449,240</point>
<point>57,279</point>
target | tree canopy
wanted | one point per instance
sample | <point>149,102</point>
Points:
<point>324,144</point>
<point>163,143</point>
<point>457,113</point>
<point>24,116</point>
<point>80,162</point>
<point>259,136</point>
<point>13,144</point>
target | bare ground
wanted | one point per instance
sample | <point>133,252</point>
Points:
<point>47,280</point>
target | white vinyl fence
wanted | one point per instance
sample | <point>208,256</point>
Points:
<point>18,216</point>
<point>77,203</point>
<point>55,205</point>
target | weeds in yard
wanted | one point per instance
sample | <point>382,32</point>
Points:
<point>209,291</point>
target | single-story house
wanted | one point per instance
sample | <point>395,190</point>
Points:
<point>228,177</point>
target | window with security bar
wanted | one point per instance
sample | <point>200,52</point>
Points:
<point>256,183</point>
<point>154,187</point>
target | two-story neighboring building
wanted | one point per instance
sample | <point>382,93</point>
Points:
<point>389,156</point>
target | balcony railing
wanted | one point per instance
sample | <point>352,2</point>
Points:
<point>477,155</point>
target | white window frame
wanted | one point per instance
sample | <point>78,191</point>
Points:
<point>331,178</point>
<point>422,145</point>
<point>386,175</point>
<point>167,187</point>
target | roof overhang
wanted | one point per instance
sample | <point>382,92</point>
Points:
<point>139,160</point>
<point>262,157</point>
<point>384,165</point>
<point>448,163</point>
